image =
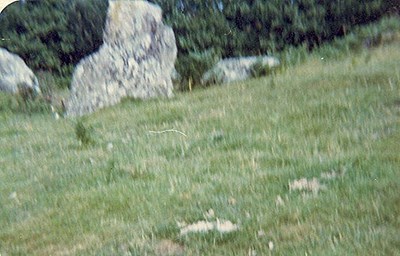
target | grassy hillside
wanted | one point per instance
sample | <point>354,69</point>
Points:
<point>242,158</point>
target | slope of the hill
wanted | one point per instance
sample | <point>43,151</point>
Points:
<point>304,163</point>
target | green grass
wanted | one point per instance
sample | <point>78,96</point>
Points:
<point>245,142</point>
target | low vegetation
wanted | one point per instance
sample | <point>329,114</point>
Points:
<point>305,163</point>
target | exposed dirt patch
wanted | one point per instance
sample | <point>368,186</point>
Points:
<point>168,247</point>
<point>303,184</point>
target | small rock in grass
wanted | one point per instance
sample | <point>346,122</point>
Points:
<point>232,201</point>
<point>222,226</point>
<point>217,136</point>
<point>270,245</point>
<point>209,214</point>
<point>329,175</point>
<point>181,224</point>
<point>198,227</point>
<point>225,226</point>
<point>110,147</point>
<point>252,252</point>
<point>279,201</point>
<point>92,161</point>
<point>13,196</point>
<point>260,233</point>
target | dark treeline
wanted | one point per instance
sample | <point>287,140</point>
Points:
<point>243,27</point>
<point>210,29</point>
<point>53,35</point>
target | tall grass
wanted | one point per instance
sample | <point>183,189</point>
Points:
<point>334,120</point>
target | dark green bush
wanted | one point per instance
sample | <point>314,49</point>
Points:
<point>7,102</point>
<point>259,69</point>
<point>24,102</point>
<point>85,22</point>
<point>84,134</point>
<point>191,67</point>
<point>53,35</point>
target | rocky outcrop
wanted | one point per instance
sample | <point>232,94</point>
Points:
<point>15,75</point>
<point>136,60</point>
<point>236,69</point>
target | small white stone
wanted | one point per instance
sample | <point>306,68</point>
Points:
<point>270,245</point>
<point>210,214</point>
<point>260,233</point>
<point>279,201</point>
<point>110,146</point>
<point>252,252</point>
<point>92,161</point>
<point>198,227</point>
<point>181,224</point>
<point>13,196</point>
<point>232,201</point>
<point>226,226</point>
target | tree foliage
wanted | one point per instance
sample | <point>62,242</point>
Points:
<point>53,35</point>
<point>256,27</point>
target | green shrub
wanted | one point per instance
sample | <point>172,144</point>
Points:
<point>112,171</point>
<point>29,103</point>
<point>259,69</point>
<point>85,24</point>
<point>192,67</point>
<point>212,77</point>
<point>84,134</point>
<point>7,102</point>
<point>53,35</point>
<point>384,31</point>
<point>24,102</point>
<point>293,55</point>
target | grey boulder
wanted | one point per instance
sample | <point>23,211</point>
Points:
<point>15,75</point>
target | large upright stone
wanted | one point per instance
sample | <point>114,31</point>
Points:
<point>15,75</point>
<point>136,60</point>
